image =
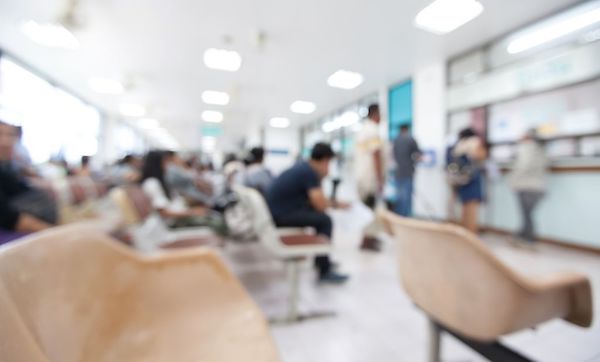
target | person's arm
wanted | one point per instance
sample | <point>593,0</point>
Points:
<point>194,211</point>
<point>321,203</point>
<point>378,160</point>
<point>29,223</point>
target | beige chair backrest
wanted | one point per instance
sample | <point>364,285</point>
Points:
<point>134,204</point>
<point>456,280</point>
<point>72,295</point>
<point>262,221</point>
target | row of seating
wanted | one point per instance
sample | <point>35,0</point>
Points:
<point>74,294</point>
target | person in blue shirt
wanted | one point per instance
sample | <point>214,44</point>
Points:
<point>296,199</point>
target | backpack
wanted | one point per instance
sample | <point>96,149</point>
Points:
<point>460,170</point>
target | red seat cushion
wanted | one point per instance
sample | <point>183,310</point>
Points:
<point>303,239</point>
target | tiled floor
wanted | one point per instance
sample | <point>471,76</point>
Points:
<point>376,321</point>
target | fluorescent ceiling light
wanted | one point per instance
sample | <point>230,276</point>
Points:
<point>50,35</point>
<point>303,107</point>
<point>212,116</point>
<point>444,16</point>
<point>553,31</point>
<point>345,79</point>
<point>279,122</point>
<point>347,119</point>
<point>132,110</point>
<point>215,97</point>
<point>148,123</point>
<point>222,59</point>
<point>106,86</point>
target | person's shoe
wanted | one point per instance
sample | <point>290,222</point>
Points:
<point>333,278</point>
<point>371,244</point>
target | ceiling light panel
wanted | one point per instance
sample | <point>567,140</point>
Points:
<point>50,35</point>
<point>279,122</point>
<point>215,98</point>
<point>444,16</point>
<point>212,116</point>
<point>345,79</point>
<point>303,107</point>
<point>553,30</point>
<point>222,59</point>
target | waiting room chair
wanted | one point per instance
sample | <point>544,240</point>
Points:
<point>147,229</point>
<point>291,245</point>
<point>465,290</point>
<point>71,294</point>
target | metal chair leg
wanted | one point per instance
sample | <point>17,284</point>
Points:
<point>294,279</point>
<point>435,334</point>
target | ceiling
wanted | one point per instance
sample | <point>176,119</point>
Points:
<point>158,46</point>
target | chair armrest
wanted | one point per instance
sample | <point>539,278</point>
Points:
<point>285,231</point>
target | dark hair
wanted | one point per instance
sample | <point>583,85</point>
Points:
<point>466,133</point>
<point>405,127</point>
<point>322,151</point>
<point>257,155</point>
<point>85,160</point>
<point>373,108</point>
<point>153,168</point>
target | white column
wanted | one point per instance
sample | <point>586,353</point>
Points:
<point>429,128</point>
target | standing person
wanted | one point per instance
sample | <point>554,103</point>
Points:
<point>296,199</point>
<point>406,154</point>
<point>465,168</point>
<point>85,170</point>
<point>369,171</point>
<point>528,179</point>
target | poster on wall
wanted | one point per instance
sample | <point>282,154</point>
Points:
<point>572,111</point>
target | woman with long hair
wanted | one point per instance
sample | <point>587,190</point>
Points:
<point>164,200</point>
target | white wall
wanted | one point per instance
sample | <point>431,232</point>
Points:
<point>429,129</point>
<point>281,140</point>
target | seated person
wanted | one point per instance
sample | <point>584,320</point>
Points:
<point>23,209</point>
<point>296,199</point>
<point>186,182</point>
<point>169,204</point>
<point>257,176</point>
<point>126,171</point>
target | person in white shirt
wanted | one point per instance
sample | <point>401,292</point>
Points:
<point>168,204</point>
<point>528,179</point>
<point>369,170</point>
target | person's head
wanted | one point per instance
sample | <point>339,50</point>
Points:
<point>8,137</point>
<point>85,161</point>
<point>531,135</point>
<point>257,155</point>
<point>320,157</point>
<point>154,167</point>
<point>373,113</point>
<point>466,133</point>
<point>405,129</point>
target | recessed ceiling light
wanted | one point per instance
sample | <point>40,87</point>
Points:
<point>132,110</point>
<point>148,123</point>
<point>444,16</point>
<point>215,97</point>
<point>222,59</point>
<point>303,107</point>
<point>345,79</point>
<point>279,122</point>
<point>106,86</point>
<point>553,30</point>
<point>50,35</point>
<point>212,116</point>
